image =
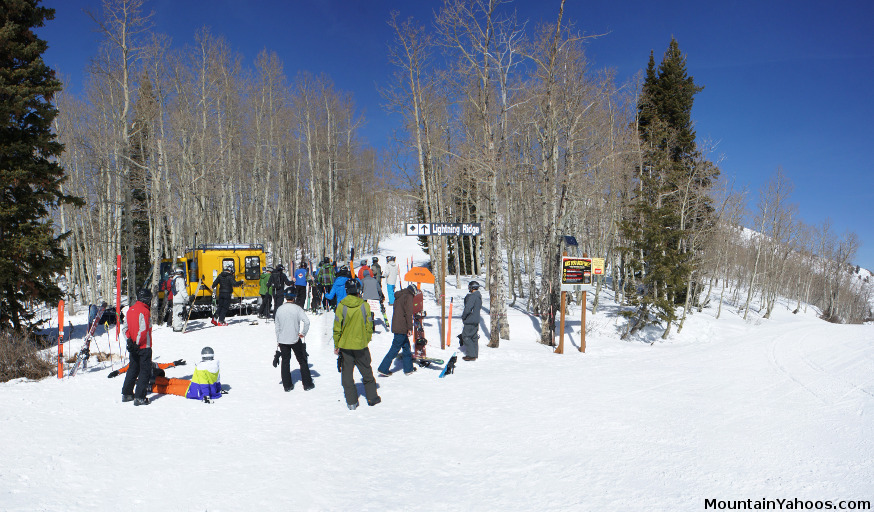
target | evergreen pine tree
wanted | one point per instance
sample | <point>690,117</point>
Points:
<point>31,256</point>
<point>659,223</point>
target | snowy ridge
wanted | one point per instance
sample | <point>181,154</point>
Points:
<point>727,409</point>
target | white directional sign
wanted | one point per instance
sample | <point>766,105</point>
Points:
<point>444,229</point>
<point>418,229</point>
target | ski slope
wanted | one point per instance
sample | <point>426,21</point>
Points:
<point>728,410</point>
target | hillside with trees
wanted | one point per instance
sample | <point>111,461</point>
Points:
<point>500,122</point>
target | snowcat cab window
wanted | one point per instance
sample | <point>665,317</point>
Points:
<point>253,268</point>
<point>192,271</point>
<point>229,262</point>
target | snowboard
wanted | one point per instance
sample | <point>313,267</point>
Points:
<point>450,366</point>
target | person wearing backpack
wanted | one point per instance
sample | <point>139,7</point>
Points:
<point>327,274</point>
<point>353,330</point>
<point>278,281</point>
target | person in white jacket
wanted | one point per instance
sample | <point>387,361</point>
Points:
<point>289,335</point>
<point>180,299</point>
<point>391,278</point>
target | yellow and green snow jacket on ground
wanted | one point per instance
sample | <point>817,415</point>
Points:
<point>352,325</point>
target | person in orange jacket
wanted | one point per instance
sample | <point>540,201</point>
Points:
<point>203,385</point>
<point>159,382</point>
<point>364,270</point>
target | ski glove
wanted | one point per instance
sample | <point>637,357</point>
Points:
<point>112,374</point>
<point>276,357</point>
<point>132,347</point>
<point>340,362</point>
<point>179,362</point>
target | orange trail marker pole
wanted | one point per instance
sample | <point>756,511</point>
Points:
<point>61,339</point>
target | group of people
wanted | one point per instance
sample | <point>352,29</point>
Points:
<point>142,376</point>
<point>335,289</point>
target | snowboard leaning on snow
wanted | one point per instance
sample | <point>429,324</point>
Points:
<point>450,366</point>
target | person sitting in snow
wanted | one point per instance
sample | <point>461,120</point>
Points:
<point>204,383</point>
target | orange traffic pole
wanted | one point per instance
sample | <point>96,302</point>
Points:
<point>61,339</point>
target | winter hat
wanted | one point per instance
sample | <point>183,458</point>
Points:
<point>290,293</point>
<point>413,289</point>
<point>144,295</point>
<point>352,287</point>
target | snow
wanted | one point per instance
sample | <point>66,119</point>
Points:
<point>727,409</point>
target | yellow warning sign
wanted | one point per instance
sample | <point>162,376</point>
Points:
<point>597,266</point>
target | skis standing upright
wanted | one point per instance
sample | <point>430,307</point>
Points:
<point>191,304</point>
<point>85,351</point>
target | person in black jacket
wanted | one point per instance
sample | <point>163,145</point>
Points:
<point>225,283</point>
<point>278,280</point>
<point>470,317</point>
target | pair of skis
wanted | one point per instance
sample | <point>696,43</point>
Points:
<point>191,304</point>
<point>85,352</point>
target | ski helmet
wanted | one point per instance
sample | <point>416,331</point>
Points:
<point>280,267</point>
<point>362,263</point>
<point>473,285</point>
<point>290,293</point>
<point>389,258</point>
<point>327,259</point>
<point>352,287</point>
<point>207,354</point>
<point>376,259</point>
<point>268,269</point>
<point>343,271</point>
<point>144,295</point>
<point>228,266</point>
<point>179,271</point>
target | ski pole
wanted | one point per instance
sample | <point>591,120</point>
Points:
<point>109,342</point>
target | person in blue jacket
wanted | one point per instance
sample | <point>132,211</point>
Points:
<point>338,290</point>
<point>300,283</point>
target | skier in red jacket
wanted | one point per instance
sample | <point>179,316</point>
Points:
<point>138,330</point>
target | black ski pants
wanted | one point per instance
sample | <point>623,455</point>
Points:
<point>317,297</point>
<point>266,305</point>
<point>326,303</point>
<point>301,298</point>
<point>138,372</point>
<point>222,304</point>
<point>300,353</point>
<point>357,359</point>
<point>277,301</point>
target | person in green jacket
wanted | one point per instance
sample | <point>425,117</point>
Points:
<point>353,329</point>
<point>266,292</point>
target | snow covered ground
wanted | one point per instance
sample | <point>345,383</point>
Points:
<point>727,410</point>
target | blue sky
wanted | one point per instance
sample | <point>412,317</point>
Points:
<point>787,83</point>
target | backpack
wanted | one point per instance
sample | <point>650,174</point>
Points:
<point>167,286</point>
